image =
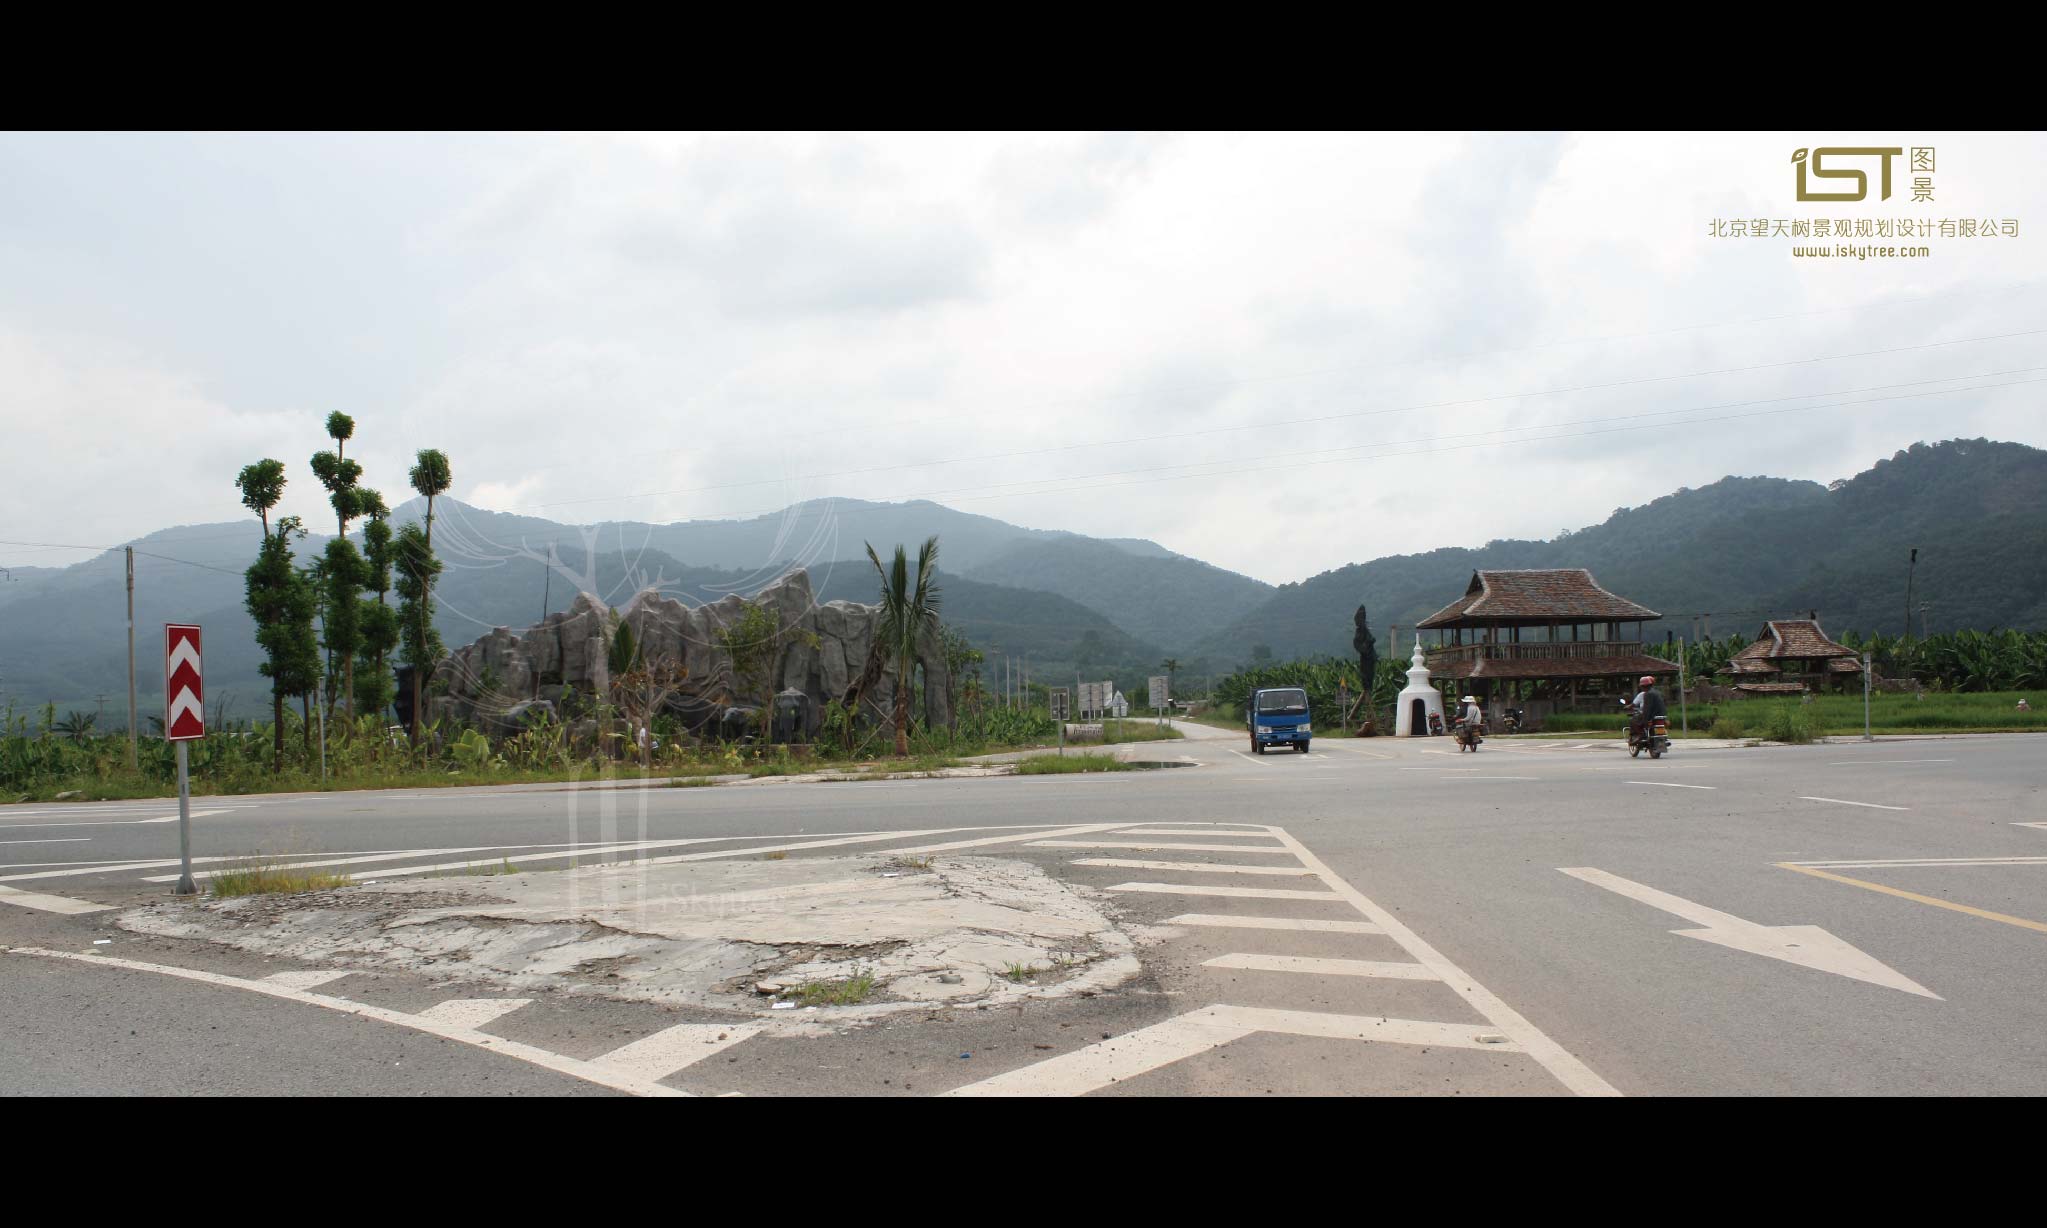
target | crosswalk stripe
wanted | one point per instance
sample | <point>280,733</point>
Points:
<point>673,1049</point>
<point>1148,846</point>
<point>49,903</point>
<point>1254,962</point>
<point>472,1013</point>
<point>1192,867</point>
<point>1135,1053</point>
<point>1259,893</point>
<point>1221,921</point>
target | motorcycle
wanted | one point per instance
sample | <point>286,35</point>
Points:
<point>1655,739</point>
<point>1469,735</point>
<point>1516,720</point>
<point>1435,724</point>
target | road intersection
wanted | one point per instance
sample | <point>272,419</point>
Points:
<point>1374,917</point>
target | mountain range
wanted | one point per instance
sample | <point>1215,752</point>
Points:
<point>1737,551</point>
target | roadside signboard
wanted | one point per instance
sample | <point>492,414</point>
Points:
<point>1059,703</point>
<point>1158,692</point>
<point>184,720</point>
<point>184,693</point>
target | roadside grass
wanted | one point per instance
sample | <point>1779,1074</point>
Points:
<point>1019,973</point>
<point>851,991</point>
<point>481,869</point>
<point>913,863</point>
<point>1839,715</point>
<point>1061,765</point>
<point>264,876</point>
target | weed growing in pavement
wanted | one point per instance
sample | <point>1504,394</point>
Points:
<point>263,876</point>
<point>778,856</point>
<point>1021,972</point>
<point>849,992</point>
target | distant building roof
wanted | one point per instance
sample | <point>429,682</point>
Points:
<point>1795,638</point>
<point>1564,594</point>
<point>1770,688</point>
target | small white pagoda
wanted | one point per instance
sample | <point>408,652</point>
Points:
<point>1418,702</point>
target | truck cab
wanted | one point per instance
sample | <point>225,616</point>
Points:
<point>1278,716</point>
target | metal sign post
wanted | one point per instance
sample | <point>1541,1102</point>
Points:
<point>1058,700</point>
<point>184,720</point>
<point>1866,735</point>
<point>1159,697</point>
<point>1684,722</point>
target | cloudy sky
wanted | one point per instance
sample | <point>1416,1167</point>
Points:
<point>1277,353</point>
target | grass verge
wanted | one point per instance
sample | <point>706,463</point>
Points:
<point>262,877</point>
<point>1061,765</point>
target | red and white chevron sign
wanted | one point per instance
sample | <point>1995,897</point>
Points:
<point>184,697</point>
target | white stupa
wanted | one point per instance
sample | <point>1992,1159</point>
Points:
<point>1418,701</point>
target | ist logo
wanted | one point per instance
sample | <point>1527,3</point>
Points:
<point>1859,175</point>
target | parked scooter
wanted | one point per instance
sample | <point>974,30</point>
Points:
<point>1516,720</point>
<point>1435,724</point>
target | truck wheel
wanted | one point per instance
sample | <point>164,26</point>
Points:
<point>1303,746</point>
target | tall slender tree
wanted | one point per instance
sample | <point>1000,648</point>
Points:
<point>379,621</point>
<point>909,611</point>
<point>262,485</point>
<point>341,570</point>
<point>419,644</point>
<point>431,476</point>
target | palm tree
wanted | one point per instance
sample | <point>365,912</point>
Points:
<point>431,476</point>
<point>908,612</point>
<point>1172,666</point>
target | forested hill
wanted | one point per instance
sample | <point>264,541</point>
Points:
<point>1741,549</point>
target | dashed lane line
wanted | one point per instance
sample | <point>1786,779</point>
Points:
<point>1192,867</point>
<point>1253,962</point>
<point>1844,802</point>
<point>590,1072</point>
<point>1222,921</point>
<point>1669,784</point>
<point>1923,861</point>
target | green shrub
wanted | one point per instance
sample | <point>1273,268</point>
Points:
<point>1791,722</point>
<point>1726,727</point>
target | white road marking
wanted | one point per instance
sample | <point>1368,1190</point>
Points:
<point>673,1049</point>
<point>1253,962</point>
<point>1260,893</point>
<point>1668,784</point>
<point>589,1072</point>
<point>1808,946</point>
<point>1134,1053</point>
<point>1844,802</point>
<point>472,1013</point>
<point>1925,861</point>
<point>49,903</point>
<point>1222,921</point>
<point>2036,826</point>
<point>168,818</point>
<point>1562,1066</point>
<point>1874,762</point>
<point>53,840</point>
<point>1492,778</point>
<point>1141,844</point>
<point>308,978</point>
<point>1257,759</point>
<point>1192,867</point>
<point>1186,831</point>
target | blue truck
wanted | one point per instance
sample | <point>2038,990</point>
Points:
<point>1278,716</point>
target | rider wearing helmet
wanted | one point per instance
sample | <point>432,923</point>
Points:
<point>1648,704</point>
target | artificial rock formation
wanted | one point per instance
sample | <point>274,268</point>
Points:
<point>822,651</point>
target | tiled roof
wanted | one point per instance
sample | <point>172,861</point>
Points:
<point>1582,667</point>
<point>1792,637</point>
<point>1770,688</point>
<point>1565,594</point>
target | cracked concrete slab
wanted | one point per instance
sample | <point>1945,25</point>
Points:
<point>965,932</point>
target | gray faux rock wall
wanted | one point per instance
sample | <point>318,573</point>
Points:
<point>491,681</point>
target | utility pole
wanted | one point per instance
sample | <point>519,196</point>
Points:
<point>132,762</point>
<point>1909,569</point>
<point>1865,699</point>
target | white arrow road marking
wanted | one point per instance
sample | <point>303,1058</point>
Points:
<point>183,654</point>
<point>1808,946</point>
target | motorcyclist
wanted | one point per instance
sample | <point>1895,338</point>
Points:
<point>1469,714</point>
<point>1647,706</point>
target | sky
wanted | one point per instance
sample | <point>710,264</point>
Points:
<point>1276,353</point>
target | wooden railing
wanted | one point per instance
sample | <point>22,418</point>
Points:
<point>1566,651</point>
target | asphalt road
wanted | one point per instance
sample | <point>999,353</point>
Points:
<point>1930,887</point>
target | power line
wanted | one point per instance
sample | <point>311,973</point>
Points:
<point>150,553</point>
<point>1265,424</point>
